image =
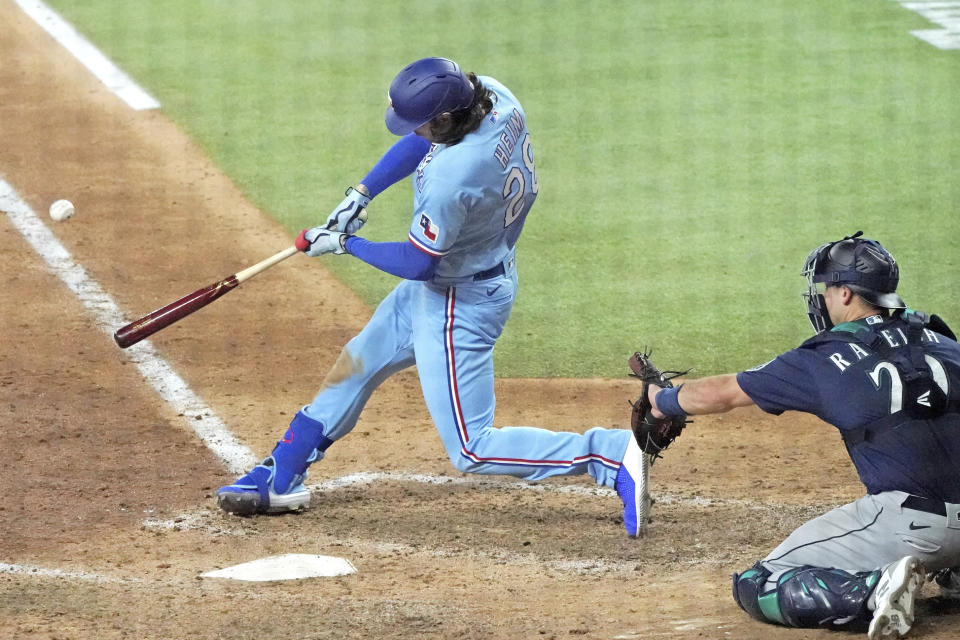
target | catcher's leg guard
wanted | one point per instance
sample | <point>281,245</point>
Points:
<point>806,596</point>
<point>813,597</point>
<point>748,589</point>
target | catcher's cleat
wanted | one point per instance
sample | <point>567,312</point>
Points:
<point>949,582</point>
<point>894,599</point>
<point>632,485</point>
<point>253,493</point>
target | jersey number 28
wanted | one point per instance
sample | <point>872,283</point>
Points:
<point>516,186</point>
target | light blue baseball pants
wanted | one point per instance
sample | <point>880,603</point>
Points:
<point>449,330</point>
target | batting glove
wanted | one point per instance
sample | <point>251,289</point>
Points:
<point>320,240</point>
<point>349,215</point>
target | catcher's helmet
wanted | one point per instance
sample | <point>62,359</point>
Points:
<point>862,265</point>
<point>423,90</point>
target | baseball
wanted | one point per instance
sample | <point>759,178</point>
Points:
<point>61,210</point>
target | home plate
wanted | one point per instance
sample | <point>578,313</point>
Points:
<point>291,566</point>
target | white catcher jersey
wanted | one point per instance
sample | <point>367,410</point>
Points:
<point>471,199</point>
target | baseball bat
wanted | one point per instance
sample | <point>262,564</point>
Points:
<point>165,316</point>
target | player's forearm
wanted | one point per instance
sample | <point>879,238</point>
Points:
<point>397,163</point>
<point>400,259</point>
<point>716,394</point>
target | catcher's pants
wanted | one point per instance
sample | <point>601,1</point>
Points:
<point>872,532</point>
<point>449,332</point>
<point>826,569</point>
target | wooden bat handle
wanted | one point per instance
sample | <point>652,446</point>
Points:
<point>165,316</point>
<point>263,265</point>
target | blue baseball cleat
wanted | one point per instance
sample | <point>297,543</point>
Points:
<point>276,484</point>
<point>254,493</point>
<point>632,485</point>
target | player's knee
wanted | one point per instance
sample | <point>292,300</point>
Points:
<point>344,367</point>
<point>464,458</point>
<point>749,594</point>
<point>462,463</point>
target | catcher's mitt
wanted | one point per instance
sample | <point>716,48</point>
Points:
<point>652,434</point>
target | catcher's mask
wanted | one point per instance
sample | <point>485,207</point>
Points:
<point>862,265</point>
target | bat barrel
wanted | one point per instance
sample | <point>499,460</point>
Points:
<point>165,316</point>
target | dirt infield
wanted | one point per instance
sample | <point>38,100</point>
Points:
<point>109,518</point>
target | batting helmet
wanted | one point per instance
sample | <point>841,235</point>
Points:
<point>862,265</point>
<point>423,90</point>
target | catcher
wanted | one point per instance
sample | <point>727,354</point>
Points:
<point>889,379</point>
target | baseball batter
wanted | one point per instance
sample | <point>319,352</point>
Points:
<point>466,143</point>
<point>889,379</point>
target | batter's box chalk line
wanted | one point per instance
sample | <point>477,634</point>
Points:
<point>363,478</point>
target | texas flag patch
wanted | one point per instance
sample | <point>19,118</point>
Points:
<point>430,230</point>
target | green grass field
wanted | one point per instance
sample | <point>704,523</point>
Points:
<point>690,154</point>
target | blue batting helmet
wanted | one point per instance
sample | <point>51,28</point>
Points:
<point>423,90</point>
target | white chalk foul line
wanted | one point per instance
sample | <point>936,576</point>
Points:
<point>92,58</point>
<point>44,572</point>
<point>160,375</point>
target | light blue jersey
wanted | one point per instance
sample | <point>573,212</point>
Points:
<point>471,199</point>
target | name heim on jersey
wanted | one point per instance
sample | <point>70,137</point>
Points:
<point>514,127</point>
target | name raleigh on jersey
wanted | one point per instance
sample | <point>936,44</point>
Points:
<point>895,338</point>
